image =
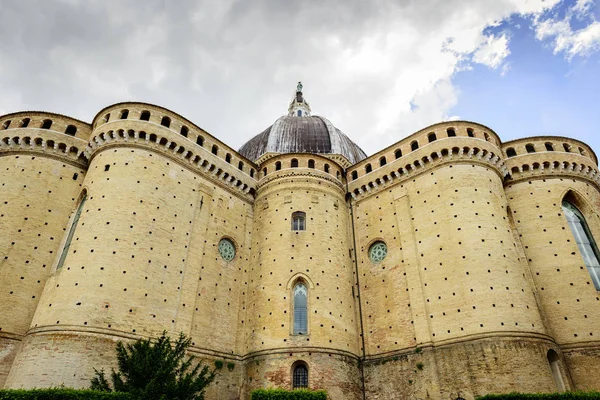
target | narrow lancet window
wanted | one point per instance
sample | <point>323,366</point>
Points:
<point>65,250</point>
<point>300,378</point>
<point>584,239</point>
<point>300,309</point>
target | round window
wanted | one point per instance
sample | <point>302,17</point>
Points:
<point>226,249</point>
<point>377,252</point>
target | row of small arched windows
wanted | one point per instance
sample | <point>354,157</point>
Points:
<point>414,145</point>
<point>45,124</point>
<point>294,164</point>
<point>184,131</point>
<point>530,148</point>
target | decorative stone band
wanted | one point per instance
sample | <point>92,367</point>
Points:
<point>440,152</point>
<point>564,165</point>
<point>198,160</point>
<point>47,143</point>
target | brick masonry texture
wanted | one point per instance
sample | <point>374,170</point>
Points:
<point>483,288</point>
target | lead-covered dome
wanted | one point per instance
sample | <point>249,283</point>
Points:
<point>299,132</point>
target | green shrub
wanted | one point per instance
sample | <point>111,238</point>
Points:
<point>218,364</point>
<point>281,394</point>
<point>230,366</point>
<point>543,396</point>
<point>61,394</point>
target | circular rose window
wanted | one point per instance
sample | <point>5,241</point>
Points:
<point>226,249</point>
<point>377,252</point>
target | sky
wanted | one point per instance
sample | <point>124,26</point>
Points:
<point>379,70</point>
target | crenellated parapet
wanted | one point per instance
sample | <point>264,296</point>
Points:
<point>158,130</point>
<point>544,157</point>
<point>438,152</point>
<point>51,135</point>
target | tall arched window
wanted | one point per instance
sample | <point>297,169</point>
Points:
<point>145,116</point>
<point>124,114</point>
<point>215,149</point>
<point>299,221</point>
<point>311,163</point>
<point>584,239</point>
<point>414,145</point>
<point>451,132</point>
<point>71,130</point>
<point>382,161</point>
<point>278,166</point>
<point>165,121</point>
<point>368,168</point>
<point>24,123</point>
<point>431,137</point>
<point>300,376</point>
<point>300,309</point>
<point>65,250</point>
<point>529,147</point>
<point>294,163</point>
<point>354,175</point>
<point>200,141</point>
<point>470,132</point>
<point>554,362</point>
<point>184,131</point>
<point>549,146</point>
<point>510,152</point>
<point>398,153</point>
<point>47,124</point>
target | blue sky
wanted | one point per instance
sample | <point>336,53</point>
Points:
<point>377,69</point>
<point>540,93</point>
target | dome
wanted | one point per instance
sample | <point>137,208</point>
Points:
<point>299,132</point>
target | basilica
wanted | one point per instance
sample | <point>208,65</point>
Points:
<point>449,265</point>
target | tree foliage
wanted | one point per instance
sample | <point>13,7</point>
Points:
<point>156,370</point>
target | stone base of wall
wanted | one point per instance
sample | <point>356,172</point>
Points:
<point>339,375</point>
<point>9,346</point>
<point>581,363</point>
<point>464,370</point>
<point>54,359</point>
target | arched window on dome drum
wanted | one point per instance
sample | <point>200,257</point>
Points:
<point>124,114</point>
<point>228,158</point>
<point>241,166</point>
<point>470,132</point>
<point>71,130</point>
<point>294,163</point>
<point>326,167</point>
<point>300,376</point>
<point>354,175</point>
<point>145,116</point>
<point>200,141</point>
<point>184,131</point>
<point>24,123</point>
<point>585,241</point>
<point>414,145</point>
<point>451,132</point>
<point>311,163</point>
<point>431,137</point>
<point>67,245</point>
<point>299,221</point>
<point>6,124</point>
<point>549,146</point>
<point>264,172</point>
<point>382,161</point>
<point>166,121</point>
<point>398,154</point>
<point>529,147</point>
<point>300,309</point>
<point>215,149</point>
<point>510,152</point>
<point>368,168</point>
<point>278,166</point>
<point>46,124</point>
<point>567,147</point>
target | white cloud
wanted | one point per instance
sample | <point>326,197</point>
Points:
<point>379,70</point>
<point>565,39</point>
<point>493,52</point>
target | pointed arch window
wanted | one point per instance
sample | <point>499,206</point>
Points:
<point>300,376</point>
<point>65,250</point>
<point>584,239</point>
<point>300,309</point>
